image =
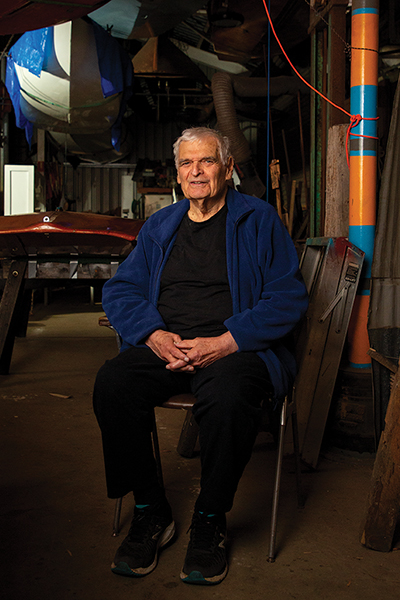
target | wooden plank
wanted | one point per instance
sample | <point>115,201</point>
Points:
<point>383,506</point>
<point>303,154</point>
<point>386,362</point>
<point>7,307</point>
<point>275,178</point>
<point>292,205</point>
<point>337,184</point>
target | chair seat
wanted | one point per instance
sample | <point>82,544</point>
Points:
<point>104,322</point>
<point>184,401</point>
<point>190,429</point>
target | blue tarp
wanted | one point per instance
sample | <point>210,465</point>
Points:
<point>116,73</point>
<point>31,52</point>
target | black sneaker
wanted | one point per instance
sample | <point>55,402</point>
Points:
<point>152,528</point>
<point>205,562</point>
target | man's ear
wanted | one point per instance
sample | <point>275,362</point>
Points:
<point>229,168</point>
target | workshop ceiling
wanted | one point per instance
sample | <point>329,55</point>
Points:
<point>216,35</point>
<point>177,46</point>
<point>18,16</point>
<point>195,22</point>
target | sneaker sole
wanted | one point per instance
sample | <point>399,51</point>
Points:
<point>197,578</point>
<point>122,568</point>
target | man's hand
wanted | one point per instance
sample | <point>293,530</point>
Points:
<point>202,352</point>
<point>164,345</point>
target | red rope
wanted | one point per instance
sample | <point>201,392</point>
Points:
<point>354,119</point>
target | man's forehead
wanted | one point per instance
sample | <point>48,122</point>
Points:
<point>207,146</point>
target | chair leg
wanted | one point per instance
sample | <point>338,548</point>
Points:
<point>117,516</point>
<point>296,447</point>
<point>157,455</point>
<point>282,427</point>
<point>188,437</point>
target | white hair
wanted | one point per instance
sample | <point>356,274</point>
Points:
<point>198,133</point>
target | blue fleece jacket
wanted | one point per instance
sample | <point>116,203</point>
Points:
<point>268,294</point>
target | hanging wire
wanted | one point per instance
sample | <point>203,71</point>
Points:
<point>347,47</point>
<point>354,119</point>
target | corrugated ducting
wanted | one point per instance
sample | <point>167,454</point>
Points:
<point>228,124</point>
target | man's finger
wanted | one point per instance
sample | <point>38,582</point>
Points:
<point>179,365</point>
<point>179,356</point>
<point>184,345</point>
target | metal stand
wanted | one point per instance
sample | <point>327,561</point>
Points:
<point>288,410</point>
<point>8,312</point>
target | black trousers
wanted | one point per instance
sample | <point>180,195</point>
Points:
<point>229,394</point>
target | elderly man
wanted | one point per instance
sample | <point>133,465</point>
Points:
<point>203,305</point>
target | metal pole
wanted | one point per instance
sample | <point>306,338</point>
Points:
<point>268,67</point>
<point>363,163</point>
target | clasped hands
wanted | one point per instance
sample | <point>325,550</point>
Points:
<point>189,355</point>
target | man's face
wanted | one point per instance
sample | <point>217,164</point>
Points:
<point>200,171</point>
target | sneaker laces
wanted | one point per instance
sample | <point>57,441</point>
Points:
<point>146,522</point>
<point>140,526</point>
<point>206,532</point>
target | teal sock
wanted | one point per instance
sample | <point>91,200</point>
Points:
<point>142,505</point>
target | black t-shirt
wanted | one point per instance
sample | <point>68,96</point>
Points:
<point>195,297</point>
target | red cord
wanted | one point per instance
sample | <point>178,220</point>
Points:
<point>354,119</point>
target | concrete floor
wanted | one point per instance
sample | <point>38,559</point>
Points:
<point>56,521</point>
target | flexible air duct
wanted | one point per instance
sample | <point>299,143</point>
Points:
<point>223,86</point>
<point>228,125</point>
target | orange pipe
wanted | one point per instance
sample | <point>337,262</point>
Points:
<point>362,193</point>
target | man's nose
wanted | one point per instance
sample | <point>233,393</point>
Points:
<point>196,167</point>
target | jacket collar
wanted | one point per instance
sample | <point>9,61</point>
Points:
<point>169,221</point>
<point>237,203</point>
